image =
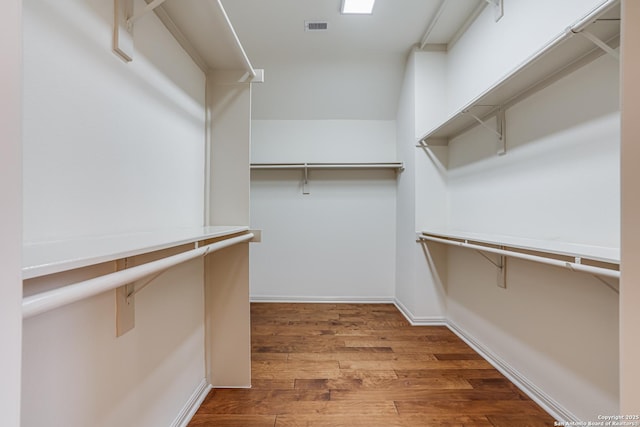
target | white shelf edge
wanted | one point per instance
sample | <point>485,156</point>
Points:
<point>194,48</point>
<point>357,165</point>
<point>513,97</point>
<point>603,254</point>
<point>45,258</point>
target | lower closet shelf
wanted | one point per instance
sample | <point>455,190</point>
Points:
<point>44,258</point>
<point>596,260</point>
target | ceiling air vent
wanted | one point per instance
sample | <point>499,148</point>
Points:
<point>316,25</point>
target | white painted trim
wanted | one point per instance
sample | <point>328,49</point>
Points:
<point>416,320</point>
<point>323,300</point>
<point>192,405</point>
<point>553,407</point>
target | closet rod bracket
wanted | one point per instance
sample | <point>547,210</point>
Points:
<point>305,179</point>
<point>498,8</point>
<point>601,44</point>
<point>148,8</point>
<point>124,18</point>
<point>125,302</point>
<point>501,265</point>
<point>500,131</point>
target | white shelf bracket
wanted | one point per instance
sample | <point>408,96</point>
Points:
<point>124,18</point>
<point>498,8</point>
<point>501,125</point>
<point>148,8</point>
<point>432,142</point>
<point>615,288</point>
<point>122,32</point>
<point>502,130</point>
<point>305,181</point>
<point>602,45</point>
<point>125,303</point>
<point>501,265</point>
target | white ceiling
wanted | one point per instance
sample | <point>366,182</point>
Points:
<point>352,71</point>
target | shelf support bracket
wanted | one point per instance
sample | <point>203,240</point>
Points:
<point>498,8</point>
<point>609,284</point>
<point>148,8</point>
<point>500,132</point>
<point>122,31</point>
<point>124,18</point>
<point>305,181</point>
<point>125,303</point>
<point>432,142</point>
<point>500,265</point>
<point>602,45</point>
<point>502,129</point>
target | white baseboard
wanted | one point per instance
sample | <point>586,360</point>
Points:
<point>191,406</point>
<point>547,403</point>
<point>419,320</point>
<point>319,300</point>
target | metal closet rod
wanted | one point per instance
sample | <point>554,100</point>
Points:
<point>598,271</point>
<point>45,301</point>
<point>363,165</point>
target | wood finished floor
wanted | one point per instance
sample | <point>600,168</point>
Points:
<point>357,365</point>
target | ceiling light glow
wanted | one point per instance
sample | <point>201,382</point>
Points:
<point>357,6</point>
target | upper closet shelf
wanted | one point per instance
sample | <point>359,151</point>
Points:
<point>40,259</point>
<point>202,28</point>
<point>581,252</point>
<point>359,165</point>
<point>581,43</point>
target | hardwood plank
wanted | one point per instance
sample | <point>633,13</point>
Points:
<point>343,356</point>
<point>208,420</point>
<point>386,384</point>
<point>422,395</point>
<point>407,365</point>
<point>451,420</point>
<point>520,421</point>
<point>272,384</point>
<point>457,356</point>
<point>372,421</point>
<point>469,407</point>
<point>338,421</point>
<point>276,407</point>
<point>319,347</point>
<point>449,373</point>
<point>289,395</point>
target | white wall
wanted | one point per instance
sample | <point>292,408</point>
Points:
<point>109,148</point>
<point>560,177</point>
<point>630,292</point>
<point>421,193</point>
<point>11,224</point>
<point>338,242</point>
<point>484,54</point>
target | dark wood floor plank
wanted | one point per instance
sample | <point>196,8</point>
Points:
<point>356,365</point>
<point>208,420</point>
<point>484,407</point>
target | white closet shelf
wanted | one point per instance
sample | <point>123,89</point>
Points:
<point>359,165</point>
<point>609,255</point>
<point>43,258</point>
<point>207,28</point>
<point>565,53</point>
<point>201,27</point>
